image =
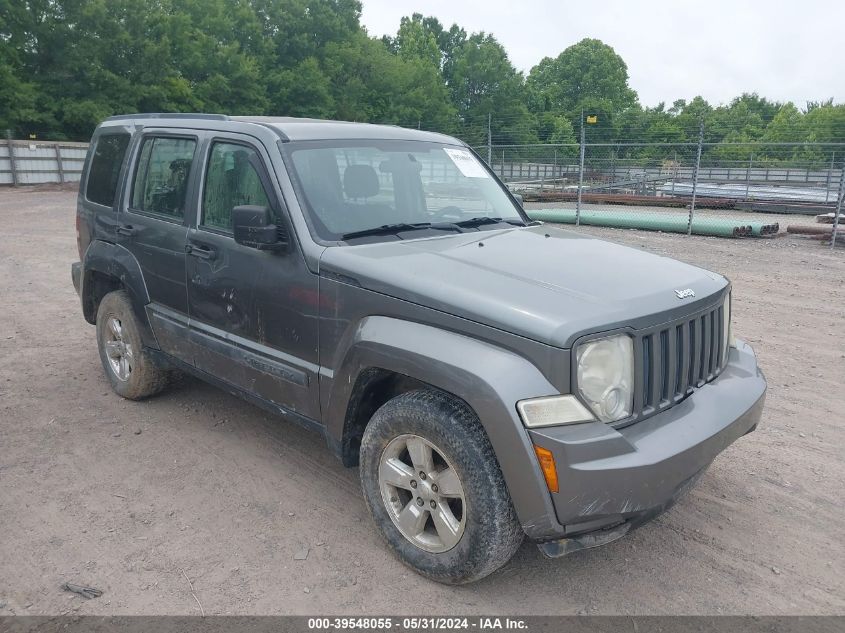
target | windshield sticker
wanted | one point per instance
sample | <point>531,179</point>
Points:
<point>467,163</point>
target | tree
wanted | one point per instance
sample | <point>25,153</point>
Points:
<point>587,76</point>
<point>415,41</point>
<point>67,64</point>
<point>484,83</point>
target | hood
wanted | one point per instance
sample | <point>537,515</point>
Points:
<point>546,284</point>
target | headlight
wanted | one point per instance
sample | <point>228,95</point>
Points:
<point>605,376</point>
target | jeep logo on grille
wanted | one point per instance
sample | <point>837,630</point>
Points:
<point>686,293</point>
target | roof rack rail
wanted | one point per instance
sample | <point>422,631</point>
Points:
<point>168,115</point>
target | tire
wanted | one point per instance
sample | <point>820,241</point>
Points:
<point>477,530</point>
<point>130,369</point>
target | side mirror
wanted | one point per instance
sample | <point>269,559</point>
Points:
<point>253,227</point>
<point>518,197</point>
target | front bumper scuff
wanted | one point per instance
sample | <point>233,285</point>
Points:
<point>615,529</point>
<point>614,480</point>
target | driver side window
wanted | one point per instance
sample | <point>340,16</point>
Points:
<point>231,181</point>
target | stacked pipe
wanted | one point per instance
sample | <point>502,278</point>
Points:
<point>666,222</point>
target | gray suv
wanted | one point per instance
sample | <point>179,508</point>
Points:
<point>492,378</point>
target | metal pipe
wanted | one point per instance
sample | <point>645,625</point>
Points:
<point>810,229</point>
<point>667,222</point>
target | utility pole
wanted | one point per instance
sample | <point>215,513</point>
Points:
<point>489,139</point>
<point>695,176</point>
<point>580,175</point>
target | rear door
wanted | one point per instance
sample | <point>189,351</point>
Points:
<point>153,227</point>
<point>253,313</point>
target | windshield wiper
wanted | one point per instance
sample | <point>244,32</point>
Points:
<point>399,227</point>
<point>485,219</point>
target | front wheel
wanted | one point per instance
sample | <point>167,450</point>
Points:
<point>434,488</point>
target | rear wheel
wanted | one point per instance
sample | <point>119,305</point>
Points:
<point>435,490</point>
<point>130,369</point>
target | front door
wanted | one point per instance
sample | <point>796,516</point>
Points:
<point>253,313</point>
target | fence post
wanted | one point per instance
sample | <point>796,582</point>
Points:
<point>829,175</point>
<point>580,175</point>
<point>59,163</point>
<point>838,207</point>
<point>489,140</point>
<point>612,167</point>
<point>748,175</point>
<point>695,176</point>
<point>12,165</point>
<point>675,168</point>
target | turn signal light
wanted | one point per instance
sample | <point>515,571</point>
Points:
<point>547,465</point>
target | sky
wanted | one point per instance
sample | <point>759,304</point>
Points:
<point>785,50</point>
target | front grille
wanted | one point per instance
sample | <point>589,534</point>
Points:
<point>674,359</point>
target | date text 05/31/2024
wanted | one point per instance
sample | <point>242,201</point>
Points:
<point>417,624</point>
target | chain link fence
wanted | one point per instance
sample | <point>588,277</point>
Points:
<point>730,189</point>
<point>724,189</point>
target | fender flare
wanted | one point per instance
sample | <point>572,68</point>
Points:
<point>120,264</point>
<point>488,378</point>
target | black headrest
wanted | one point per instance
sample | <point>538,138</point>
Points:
<point>360,181</point>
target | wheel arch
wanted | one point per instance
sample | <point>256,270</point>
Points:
<point>107,267</point>
<point>388,356</point>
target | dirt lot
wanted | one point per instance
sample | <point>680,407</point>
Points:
<point>137,498</point>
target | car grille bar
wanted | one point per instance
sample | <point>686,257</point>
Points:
<point>674,359</point>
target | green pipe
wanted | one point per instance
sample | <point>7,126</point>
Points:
<point>667,222</point>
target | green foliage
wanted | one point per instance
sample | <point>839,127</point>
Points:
<point>67,64</point>
<point>588,76</point>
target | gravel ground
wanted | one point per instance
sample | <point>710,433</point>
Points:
<point>138,498</point>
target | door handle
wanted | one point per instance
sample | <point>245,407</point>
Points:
<point>126,229</point>
<point>201,251</point>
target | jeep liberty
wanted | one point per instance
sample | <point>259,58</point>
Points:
<point>491,377</point>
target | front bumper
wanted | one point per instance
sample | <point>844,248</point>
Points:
<point>612,480</point>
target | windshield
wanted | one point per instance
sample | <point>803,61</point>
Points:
<point>382,190</point>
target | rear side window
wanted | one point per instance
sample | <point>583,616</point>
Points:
<point>231,181</point>
<point>105,168</point>
<point>161,178</point>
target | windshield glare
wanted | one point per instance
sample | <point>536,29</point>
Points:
<point>354,187</point>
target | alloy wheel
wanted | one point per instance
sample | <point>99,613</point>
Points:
<point>422,493</point>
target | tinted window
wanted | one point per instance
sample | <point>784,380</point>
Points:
<point>231,180</point>
<point>161,179</point>
<point>105,168</point>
